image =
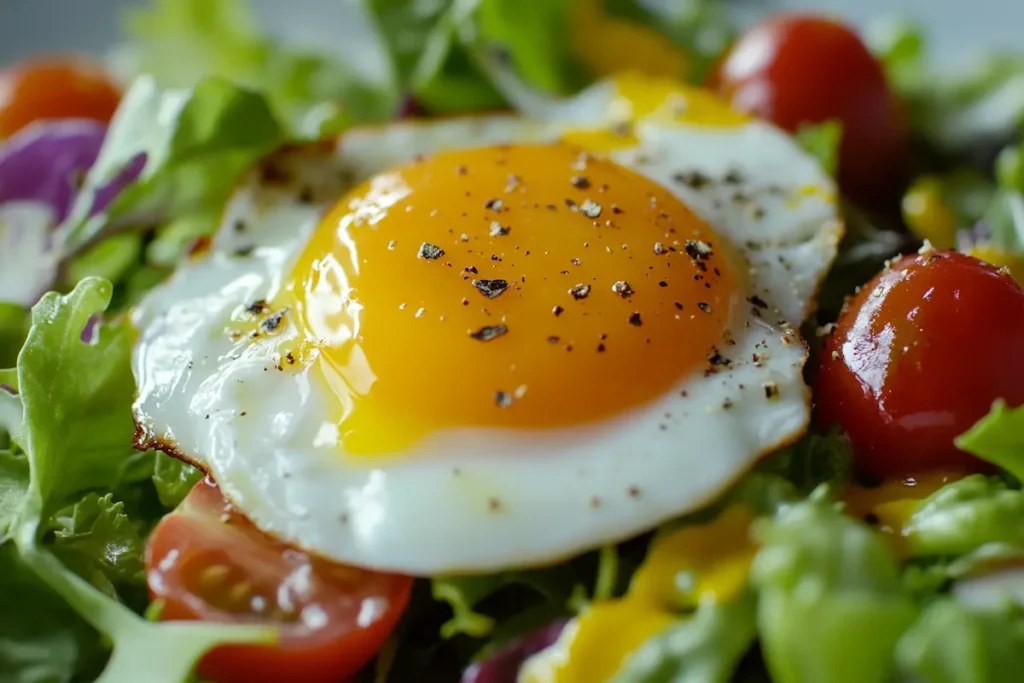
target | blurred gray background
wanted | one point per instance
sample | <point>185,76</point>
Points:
<point>957,28</point>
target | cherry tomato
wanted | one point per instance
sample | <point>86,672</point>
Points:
<point>794,69</point>
<point>54,88</point>
<point>207,562</point>
<point>917,356</point>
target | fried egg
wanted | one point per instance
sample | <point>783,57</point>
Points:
<point>479,343</point>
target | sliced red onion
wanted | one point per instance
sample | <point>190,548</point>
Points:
<point>40,170</point>
<point>503,666</point>
<point>27,264</point>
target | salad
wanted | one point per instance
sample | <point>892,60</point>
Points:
<point>832,493</point>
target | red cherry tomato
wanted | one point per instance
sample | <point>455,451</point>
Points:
<point>207,562</point>
<point>54,88</point>
<point>795,69</point>
<point>918,356</point>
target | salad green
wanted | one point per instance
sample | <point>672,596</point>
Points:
<point>211,95</point>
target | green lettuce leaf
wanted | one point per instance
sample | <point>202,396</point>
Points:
<point>703,648</point>
<point>965,515</point>
<point>951,643</point>
<point>14,324</point>
<point>998,438</point>
<point>818,567</point>
<point>73,423</point>
<point>174,479</point>
<point>204,138</point>
<point>96,529</point>
<point>182,42</point>
<point>822,140</point>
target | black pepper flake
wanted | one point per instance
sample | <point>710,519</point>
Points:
<point>678,305</point>
<point>258,306</point>
<point>635,320</point>
<point>430,251</point>
<point>554,339</point>
<point>290,358</point>
<point>245,251</point>
<point>272,322</point>
<point>494,204</point>
<point>600,348</point>
<point>503,399</point>
<point>579,291</point>
<point>306,195</point>
<point>570,203</point>
<point>662,283</point>
<point>240,225</point>
<point>490,288</point>
<point>633,491</point>
<point>771,389</point>
<point>498,230</point>
<point>461,170</point>
<point>495,257</point>
<point>692,179</point>
<point>726,404</point>
<point>716,358</point>
<point>700,251</point>
<point>616,209</point>
<point>489,332</point>
<point>580,182</point>
<point>576,261</point>
<point>470,269</point>
<point>623,289</point>
<point>733,177</point>
<point>590,208</point>
<point>557,310</point>
<point>758,301</point>
<point>704,306</point>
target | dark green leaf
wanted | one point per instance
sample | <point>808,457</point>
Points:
<point>173,479</point>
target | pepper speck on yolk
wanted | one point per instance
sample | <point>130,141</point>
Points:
<point>519,287</point>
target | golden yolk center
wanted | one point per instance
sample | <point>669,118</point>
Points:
<point>517,286</point>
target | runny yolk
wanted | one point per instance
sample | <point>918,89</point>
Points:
<point>695,564</point>
<point>889,505</point>
<point>521,287</point>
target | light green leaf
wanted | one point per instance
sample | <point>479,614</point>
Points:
<point>13,485</point>
<point>964,515</point>
<point>174,479</point>
<point>998,438</point>
<point>822,140</point>
<point>950,643</point>
<point>702,648</point>
<point>818,567</point>
<point>14,324</point>
<point>77,396</point>
<point>97,529</point>
<point>111,259</point>
<point>196,143</point>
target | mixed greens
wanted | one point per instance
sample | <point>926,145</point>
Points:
<point>210,95</point>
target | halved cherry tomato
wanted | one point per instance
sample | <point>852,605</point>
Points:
<point>207,562</point>
<point>794,69</point>
<point>918,356</point>
<point>54,88</point>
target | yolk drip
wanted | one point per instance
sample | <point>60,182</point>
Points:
<point>653,98</point>
<point>517,287</point>
<point>689,566</point>
<point>889,505</point>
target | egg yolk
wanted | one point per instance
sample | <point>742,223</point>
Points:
<point>518,287</point>
<point>692,565</point>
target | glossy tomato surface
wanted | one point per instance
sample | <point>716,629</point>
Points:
<point>917,356</point>
<point>207,562</point>
<point>54,88</point>
<point>794,69</point>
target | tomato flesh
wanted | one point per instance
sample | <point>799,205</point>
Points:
<point>54,88</point>
<point>207,562</point>
<point>795,69</point>
<point>917,356</point>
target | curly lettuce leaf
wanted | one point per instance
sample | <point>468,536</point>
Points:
<point>181,42</point>
<point>950,643</point>
<point>998,438</point>
<point>72,423</point>
<point>703,648</point>
<point>195,143</point>
<point>965,515</point>
<point>819,567</point>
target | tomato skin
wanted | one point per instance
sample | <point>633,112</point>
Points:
<point>355,610</point>
<point>54,88</point>
<point>797,68</point>
<point>917,357</point>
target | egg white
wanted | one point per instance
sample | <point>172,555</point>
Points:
<point>476,500</point>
